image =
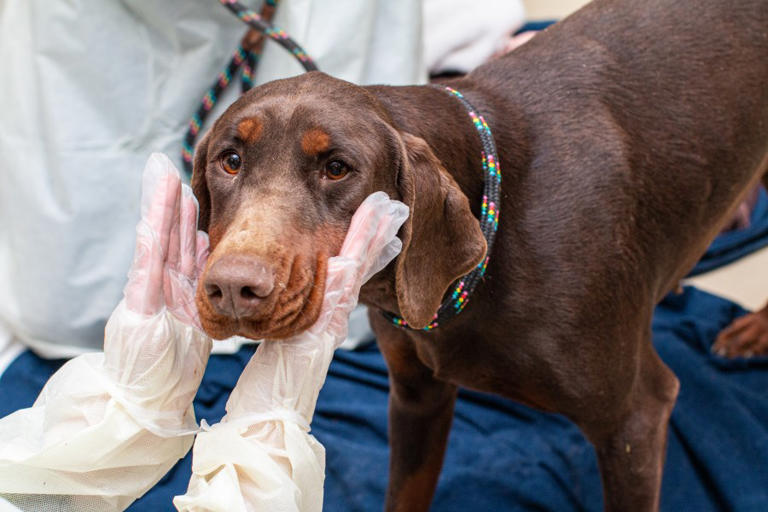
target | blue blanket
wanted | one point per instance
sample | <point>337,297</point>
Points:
<point>732,245</point>
<point>505,456</point>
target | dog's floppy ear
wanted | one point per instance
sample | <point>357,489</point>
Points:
<point>442,240</point>
<point>199,184</point>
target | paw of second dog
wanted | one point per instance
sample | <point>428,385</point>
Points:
<point>747,336</point>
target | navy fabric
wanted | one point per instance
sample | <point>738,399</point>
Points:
<point>536,26</point>
<point>505,456</point>
<point>732,245</point>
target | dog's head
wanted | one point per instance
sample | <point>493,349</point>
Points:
<point>278,178</point>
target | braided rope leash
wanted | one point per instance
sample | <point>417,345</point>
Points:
<point>489,220</point>
<point>248,60</point>
<point>209,101</point>
<point>276,34</point>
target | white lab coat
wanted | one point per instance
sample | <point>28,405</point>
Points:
<point>90,88</point>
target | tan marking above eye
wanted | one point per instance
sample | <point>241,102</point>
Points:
<point>315,141</point>
<point>249,129</point>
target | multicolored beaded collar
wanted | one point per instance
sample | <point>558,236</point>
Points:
<point>489,221</point>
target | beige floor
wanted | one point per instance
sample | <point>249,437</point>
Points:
<point>745,281</point>
<point>551,9</point>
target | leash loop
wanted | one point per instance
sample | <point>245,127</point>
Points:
<point>276,34</point>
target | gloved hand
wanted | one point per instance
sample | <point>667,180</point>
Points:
<point>170,252</point>
<point>370,244</point>
<point>261,457</point>
<point>107,426</point>
<point>154,349</point>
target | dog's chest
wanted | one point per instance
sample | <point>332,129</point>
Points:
<point>478,360</point>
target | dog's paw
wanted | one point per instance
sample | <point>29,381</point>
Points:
<point>746,337</point>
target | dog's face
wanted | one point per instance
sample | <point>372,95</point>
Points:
<point>278,178</point>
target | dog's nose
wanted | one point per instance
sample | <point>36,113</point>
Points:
<point>236,285</point>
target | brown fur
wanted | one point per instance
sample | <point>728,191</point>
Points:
<point>625,139</point>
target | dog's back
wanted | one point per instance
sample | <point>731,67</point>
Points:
<point>667,108</point>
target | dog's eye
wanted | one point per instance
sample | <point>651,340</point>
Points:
<point>231,162</point>
<point>336,169</point>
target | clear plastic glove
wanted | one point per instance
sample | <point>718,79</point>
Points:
<point>261,456</point>
<point>170,252</point>
<point>107,426</point>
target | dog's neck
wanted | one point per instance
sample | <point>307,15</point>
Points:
<point>433,115</point>
<point>442,121</point>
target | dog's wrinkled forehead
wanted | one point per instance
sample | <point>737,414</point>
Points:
<point>314,102</point>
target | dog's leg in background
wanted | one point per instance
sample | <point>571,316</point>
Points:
<point>631,439</point>
<point>420,415</point>
<point>747,336</point>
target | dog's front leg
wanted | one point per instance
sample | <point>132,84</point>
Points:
<point>420,414</point>
<point>628,426</point>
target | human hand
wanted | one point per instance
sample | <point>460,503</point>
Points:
<point>154,348</point>
<point>369,246</point>
<point>170,251</point>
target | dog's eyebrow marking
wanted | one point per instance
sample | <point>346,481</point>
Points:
<point>315,141</point>
<point>249,129</point>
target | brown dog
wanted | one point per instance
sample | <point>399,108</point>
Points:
<point>627,134</point>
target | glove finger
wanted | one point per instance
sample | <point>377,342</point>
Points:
<point>174,282</point>
<point>162,215</point>
<point>203,249</point>
<point>363,226</point>
<point>180,293</point>
<point>171,262</point>
<point>145,279</point>
<point>188,233</point>
<point>160,179</point>
<point>143,291</point>
<point>387,254</point>
<point>173,255</point>
<point>339,296</point>
<point>385,245</point>
<point>153,180</point>
<point>379,223</point>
